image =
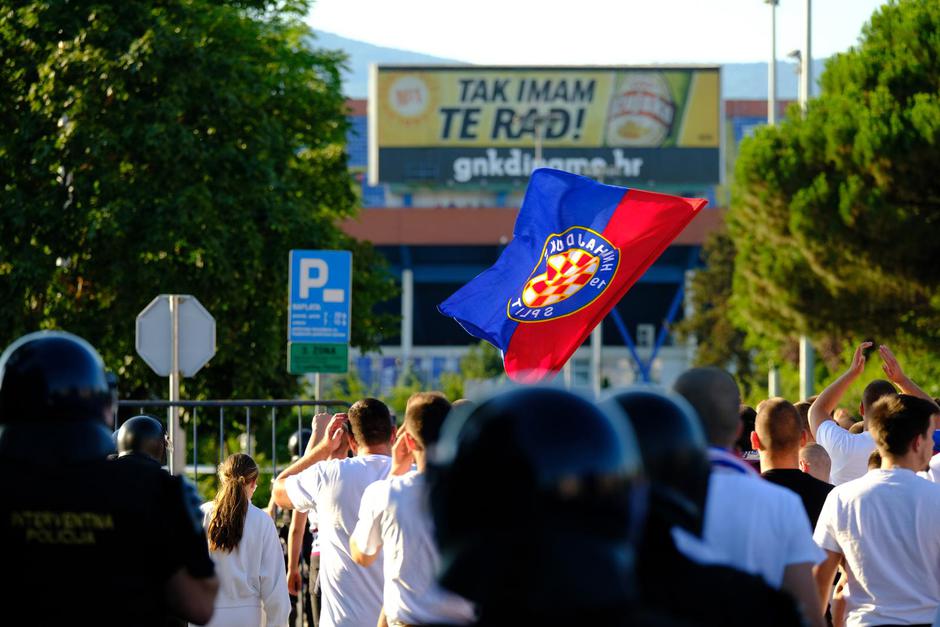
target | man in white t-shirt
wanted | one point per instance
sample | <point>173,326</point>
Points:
<point>394,514</point>
<point>849,451</point>
<point>760,527</point>
<point>351,595</point>
<point>884,524</point>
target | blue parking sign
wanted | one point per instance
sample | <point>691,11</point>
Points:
<point>320,295</point>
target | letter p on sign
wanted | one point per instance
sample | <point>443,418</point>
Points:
<point>314,274</point>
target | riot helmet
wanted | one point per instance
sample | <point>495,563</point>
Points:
<point>55,399</point>
<point>142,435</point>
<point>536,494</point>
<point>675,455</point>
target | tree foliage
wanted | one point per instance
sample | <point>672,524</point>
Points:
<point>719,342</point>
<point>171,147</point>
<point>836,215</point>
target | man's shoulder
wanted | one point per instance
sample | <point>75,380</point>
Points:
<point>751,491</point>
<point>830,434</point>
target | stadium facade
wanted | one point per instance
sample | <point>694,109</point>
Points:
<point>439,202</point>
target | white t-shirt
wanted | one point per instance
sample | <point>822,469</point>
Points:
<point>848,451</point>
<point>760,527</point>
<point>886,526</point>
<point>394,515</point>
<point>351,594</point>
<point>252,575</point>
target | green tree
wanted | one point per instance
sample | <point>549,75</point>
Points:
<point>482,361</point>
<point>836,215</point>
<point>719,342</point>
<point>172,147</point>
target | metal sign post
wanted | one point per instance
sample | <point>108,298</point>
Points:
<point>175,337</point>
<point>173,417</point>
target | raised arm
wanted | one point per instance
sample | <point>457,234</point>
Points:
<point>896,375</point>
<point>335,433</point>
<point>829,398</point>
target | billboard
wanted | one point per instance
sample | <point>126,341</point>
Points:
<point>472,124</point>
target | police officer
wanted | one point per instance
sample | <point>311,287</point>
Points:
<point>536,500</point>
<point>142,437</point>
<point>672,583</point>
<point>125,541</point>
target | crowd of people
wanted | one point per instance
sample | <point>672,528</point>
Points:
<point>534,506</point>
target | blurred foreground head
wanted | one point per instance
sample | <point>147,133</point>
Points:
<point>56,400</point>
<point>714,395</point>
<point>675,458</point>
<point>537,498</point>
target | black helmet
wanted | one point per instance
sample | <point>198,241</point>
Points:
<point>297,443</point>
<point>675,455</point>
<point>54,392</point>
<point>144,435</point>
<point>536,476</point>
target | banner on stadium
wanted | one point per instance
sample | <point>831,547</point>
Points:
<point>578,246</point>
<point>468,124</point>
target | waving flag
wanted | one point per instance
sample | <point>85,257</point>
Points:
<point>578,246</point>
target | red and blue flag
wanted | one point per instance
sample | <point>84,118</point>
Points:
<point>578,246</point>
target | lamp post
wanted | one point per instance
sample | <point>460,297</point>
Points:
<point>773,375</point>
<point>772,68</point>
<point>807,354</point>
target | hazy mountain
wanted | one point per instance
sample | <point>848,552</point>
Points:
<point>739,81</point>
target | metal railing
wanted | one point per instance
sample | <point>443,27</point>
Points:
<point>150,406</point>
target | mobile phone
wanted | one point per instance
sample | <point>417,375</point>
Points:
<point>871,349</point>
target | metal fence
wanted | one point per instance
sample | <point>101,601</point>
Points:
<point>234,409</point>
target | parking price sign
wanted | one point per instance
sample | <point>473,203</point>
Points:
<point>318,316</point>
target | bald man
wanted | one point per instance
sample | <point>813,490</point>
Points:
<point>778,436</point>
<point>814,461</point>
<point>761,528</point>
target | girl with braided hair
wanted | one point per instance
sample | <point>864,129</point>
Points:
<point>247,552</point>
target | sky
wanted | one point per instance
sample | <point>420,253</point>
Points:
<point>594,32</point>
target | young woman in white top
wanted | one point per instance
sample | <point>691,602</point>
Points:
<point>247,552</point>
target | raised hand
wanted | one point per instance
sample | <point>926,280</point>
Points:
<point>402,457</point>
<point>318,427</point>
<point>858,359</point>
<point>891,366</point>
<point>336,431</point>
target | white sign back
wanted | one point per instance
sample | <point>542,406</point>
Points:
<point>155,335</point>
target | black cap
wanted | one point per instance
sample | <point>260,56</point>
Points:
<point>536,476</point>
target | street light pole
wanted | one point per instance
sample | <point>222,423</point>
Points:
<point>772,68</point>
<point>807,354</point>
<point>806,71</point>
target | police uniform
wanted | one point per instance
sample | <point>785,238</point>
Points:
<point>84,539</point>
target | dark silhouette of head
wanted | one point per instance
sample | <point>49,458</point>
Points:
<point>714,396</point>
<point>142,435</point>
<point>56,400</point>
<point>875,391</point>
<point>552,468</point>
<point>675,458</point>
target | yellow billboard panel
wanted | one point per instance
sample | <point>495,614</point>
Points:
<point>450,107</point>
